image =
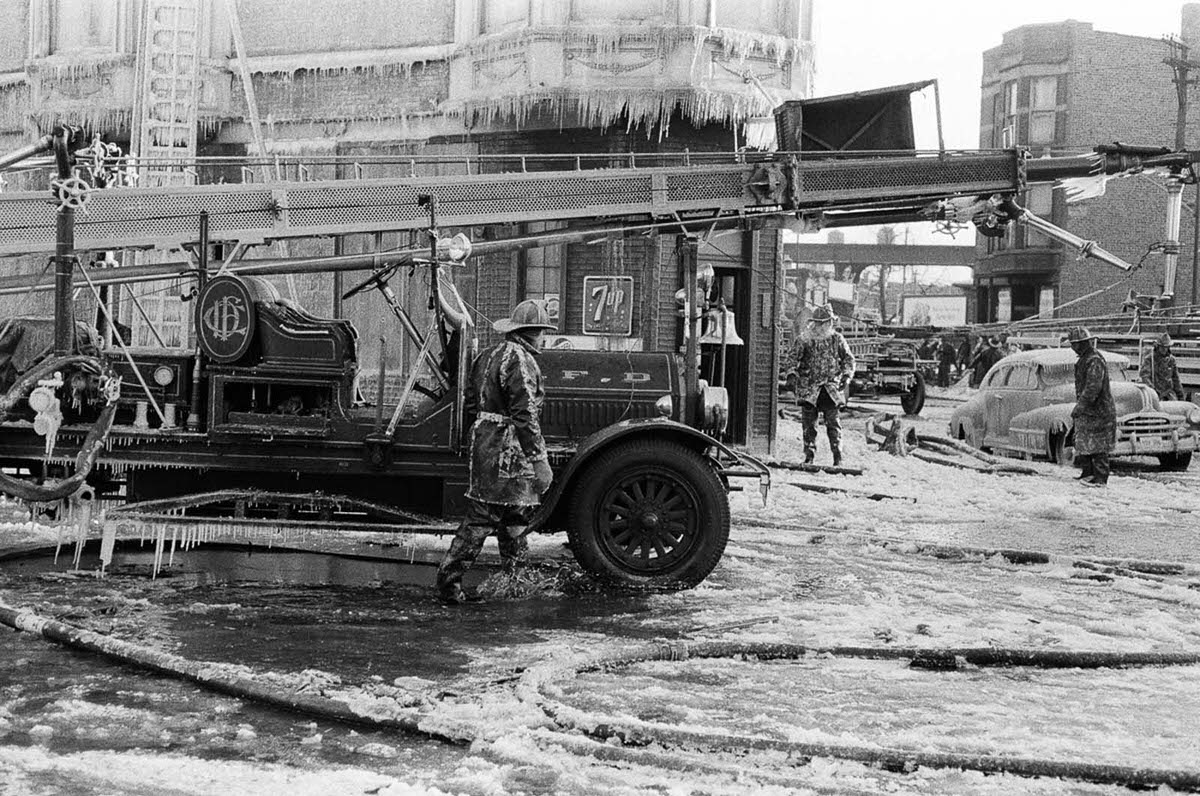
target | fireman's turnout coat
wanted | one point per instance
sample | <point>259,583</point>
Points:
<point>1095,413</point>
<point>822,363</point>
<point>506,397</point>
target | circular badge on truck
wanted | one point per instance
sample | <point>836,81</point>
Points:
<point>225,319</point>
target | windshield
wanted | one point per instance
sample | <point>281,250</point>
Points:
<point>1053,375</point>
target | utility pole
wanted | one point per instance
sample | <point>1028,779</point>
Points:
<point>1182,66</point>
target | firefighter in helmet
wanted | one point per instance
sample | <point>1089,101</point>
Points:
<point>824,366</point>
<point>509,469</point>
<point>1095,413</point>
<point>1159,369</point>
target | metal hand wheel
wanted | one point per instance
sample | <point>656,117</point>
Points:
<point>71,193</point>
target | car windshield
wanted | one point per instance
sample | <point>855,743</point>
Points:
<point>1064,373</point>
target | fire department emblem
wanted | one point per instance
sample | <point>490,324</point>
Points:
<point>226,319</point>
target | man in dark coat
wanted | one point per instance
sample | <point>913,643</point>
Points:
<point>947,356</point>
<point>1159,370</point>
<point>965,349</point>
<point>509,468</point>
<point>1095,413</point>
<point>988,355</point>
<point>824,366</point>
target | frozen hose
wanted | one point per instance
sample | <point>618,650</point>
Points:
<point>633,731</point>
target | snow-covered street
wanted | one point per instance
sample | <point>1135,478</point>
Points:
<point>575,691</point>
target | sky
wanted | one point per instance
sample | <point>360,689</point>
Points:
<point>863,44</point>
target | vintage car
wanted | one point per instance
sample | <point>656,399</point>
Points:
<point>1024,405</point>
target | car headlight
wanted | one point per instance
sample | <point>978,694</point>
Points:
<point>714,409</point>
<point>665,406</point>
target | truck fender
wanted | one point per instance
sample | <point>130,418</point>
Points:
<point>592,445</point>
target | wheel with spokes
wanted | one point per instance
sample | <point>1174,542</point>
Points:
<point>914,400</point>
<point>649,513</point>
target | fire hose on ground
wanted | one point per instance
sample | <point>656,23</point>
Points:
<point>533,683</point>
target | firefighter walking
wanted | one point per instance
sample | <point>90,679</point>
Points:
<point>509,469</point>
<point>824,365</point>
<point>1095,413</point>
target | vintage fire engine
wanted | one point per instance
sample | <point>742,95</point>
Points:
<point>266,421</point>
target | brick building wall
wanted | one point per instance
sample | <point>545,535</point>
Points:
<point>1122,91</point>
<point>1110,87</point>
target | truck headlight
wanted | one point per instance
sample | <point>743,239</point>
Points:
<point>163,375</point>
<point>1193,416</point>
<point>714,409</point>
<point>665,406</point>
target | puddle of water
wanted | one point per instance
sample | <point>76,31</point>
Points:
<point>271,610</point>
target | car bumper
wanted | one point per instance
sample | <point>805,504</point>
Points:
<point>1133,444</point>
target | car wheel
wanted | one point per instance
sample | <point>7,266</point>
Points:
<point>1062,449</point>
<point>649,513</point>
<point>913,400</point>
<point>1175,462</point>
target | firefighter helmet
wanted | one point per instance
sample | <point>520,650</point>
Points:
<point>529,314</point>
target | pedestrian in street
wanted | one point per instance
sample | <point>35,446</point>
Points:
<point>509,468</point>
<point>1095,414</point>
<point>966,349</point>
<point>947,356</point>
<point>824,366</point>
<point>989,354</point>
<point>1158,369</point>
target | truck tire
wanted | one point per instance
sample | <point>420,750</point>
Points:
<point>914,400</point>
<point>649,514</point>
<point>1175,462</point>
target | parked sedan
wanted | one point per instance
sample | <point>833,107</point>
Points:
<point>1024,405</point>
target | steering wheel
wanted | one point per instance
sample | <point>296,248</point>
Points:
<point>378,277</point>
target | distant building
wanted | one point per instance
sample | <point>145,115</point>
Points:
<point>1064,87</point>
<point>467,80</point>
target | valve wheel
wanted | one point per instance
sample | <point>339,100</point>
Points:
<point>72,193</point>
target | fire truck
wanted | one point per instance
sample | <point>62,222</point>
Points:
<point>266,421</point>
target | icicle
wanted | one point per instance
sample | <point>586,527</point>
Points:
<point>58,534</point>
<point>108,538</point>
<point>82,522</point>
<point>158,548</point>
<point>174,535</point>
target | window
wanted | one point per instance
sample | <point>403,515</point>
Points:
<point>1029,112</point>
<point>164,312</point>
<point>543,272</point>
<point>498,15</point>
<point>83,25</point>
<point>1043,102</point>
<point>1008,121</point>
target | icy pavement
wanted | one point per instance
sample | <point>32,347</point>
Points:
<point>511,678</point>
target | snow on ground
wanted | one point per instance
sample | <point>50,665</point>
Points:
<point>820,570</point>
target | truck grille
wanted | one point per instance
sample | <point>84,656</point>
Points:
<point>577,419</point>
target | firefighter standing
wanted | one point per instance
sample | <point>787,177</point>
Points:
<point>1095,414</point>
<point>824,365</point>
<point>509,470</point>
<point>989,354</point>
<point>1158,369</point>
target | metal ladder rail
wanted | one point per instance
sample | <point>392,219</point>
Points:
<point>254,213</point>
